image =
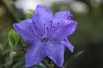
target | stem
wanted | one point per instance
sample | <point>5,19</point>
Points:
<point>50,63</point>
<point>23,49</point>
<point>2,60</point>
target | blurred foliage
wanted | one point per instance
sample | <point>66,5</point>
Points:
<point>13,39</point>
<point>10,51</point>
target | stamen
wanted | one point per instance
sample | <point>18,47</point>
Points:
<point>44,39</point>
<point>41,35</point>
<point>30,27</point>
<point>35,28</point>
<point>69,17</point>
<point>32,31</point>
<point>53,27</point>
<point>58,23</point>
<point>44,28</point>
<point>47,28</point>
<point>47,31</point>
<point>54,30</point>
<point>34,23</point>
<point>51,21</point>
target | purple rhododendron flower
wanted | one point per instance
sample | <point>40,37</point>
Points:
<point>46,35</point>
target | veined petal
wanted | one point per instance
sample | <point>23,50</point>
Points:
<point>35,53</point>
<point>68,44</point>
<point>23,28</point>
<point>42,18</point>
<point>64,29</point>
<point>55,51</point>
<point>43,12</point>
<point>63,15</point>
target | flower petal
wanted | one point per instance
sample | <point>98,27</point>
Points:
<point>23,28</point>
<point>64,29</point>
<point>68,44</point>
<point>55,51</point>
<point>42,18</point>
<point>63,15</point>
<point>44,13</point>
<point>35,53</point>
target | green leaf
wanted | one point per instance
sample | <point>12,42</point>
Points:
<point>19,63</point>
<point>13,39</point>
<point>12,54</point>
<point>72,59</point>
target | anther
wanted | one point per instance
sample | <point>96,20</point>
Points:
<point>47,28</point>
<point>31,29</point>
<point>41,35</point>
<point>34,23</point>
<point>58,23</point>
<point>44,39</point>
<point>51,21</point>
<point>44,28</point>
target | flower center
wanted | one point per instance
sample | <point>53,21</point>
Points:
<point>44,39</point>
<point>48,31</point>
